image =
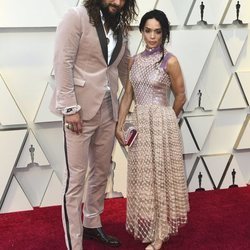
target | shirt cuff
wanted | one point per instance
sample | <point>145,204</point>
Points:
<point>71,110</point>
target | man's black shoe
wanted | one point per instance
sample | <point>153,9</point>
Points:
<point>101,236</point>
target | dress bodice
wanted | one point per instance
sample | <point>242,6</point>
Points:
<point>150,81</point>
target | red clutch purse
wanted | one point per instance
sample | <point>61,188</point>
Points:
<point>130,133</point>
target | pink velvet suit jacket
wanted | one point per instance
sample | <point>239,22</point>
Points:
<point>81,68</point>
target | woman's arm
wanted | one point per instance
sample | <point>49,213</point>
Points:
<point>177,84</point>
<point>124,109</point>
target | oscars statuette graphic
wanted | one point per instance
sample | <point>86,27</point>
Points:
<point>199,94</point>
<point>110,193</point>
<point>237,20</point>
<point>32,156</point>
<point>233,179</point>
<point>200,180</point>
<point>199,106</point>
<point>202,21</point>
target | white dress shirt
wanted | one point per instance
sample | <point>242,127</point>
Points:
<point>112,40</point>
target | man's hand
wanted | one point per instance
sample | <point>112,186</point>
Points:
<point>74,123</point>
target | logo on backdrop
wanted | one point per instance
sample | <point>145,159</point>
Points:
<point>200,181</point>
<point>237,20</point>
<point>202,21</point>
<point>233,179</point>
<point>32,156</point>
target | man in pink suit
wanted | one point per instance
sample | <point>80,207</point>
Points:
<point>91,52</point>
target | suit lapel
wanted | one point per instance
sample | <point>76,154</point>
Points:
<point>117,47</point>
<point>103,40</point>
<point>104,45</point>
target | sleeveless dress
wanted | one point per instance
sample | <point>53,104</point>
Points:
<point>157,197</point>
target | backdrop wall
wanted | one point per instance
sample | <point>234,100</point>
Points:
<point>215,125</point>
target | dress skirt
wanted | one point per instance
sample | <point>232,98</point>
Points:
<point>157,197</point>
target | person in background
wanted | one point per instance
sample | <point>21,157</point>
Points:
<point>91,52</point>
<point>157,197</point>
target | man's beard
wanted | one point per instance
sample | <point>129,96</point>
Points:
<point>112,20</point>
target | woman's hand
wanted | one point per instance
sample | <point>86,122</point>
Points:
<point>119,135</point>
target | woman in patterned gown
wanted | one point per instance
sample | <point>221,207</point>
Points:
<point>157,197</point>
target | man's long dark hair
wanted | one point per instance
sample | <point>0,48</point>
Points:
<point>127,15</point>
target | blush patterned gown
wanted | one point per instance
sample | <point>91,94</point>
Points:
<point>157,198</point>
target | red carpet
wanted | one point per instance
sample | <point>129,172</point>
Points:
<point>218,220</point>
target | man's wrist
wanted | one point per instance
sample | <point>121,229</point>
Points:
<point>71,110</point>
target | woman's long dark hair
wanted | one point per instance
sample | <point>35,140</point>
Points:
<point>128,13</point>
<point>161,17</point>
